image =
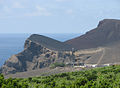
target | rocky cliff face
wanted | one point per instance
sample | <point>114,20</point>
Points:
<point>39,52</point>
<point>107,31</point>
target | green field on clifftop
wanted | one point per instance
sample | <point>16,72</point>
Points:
<point>106,77</point>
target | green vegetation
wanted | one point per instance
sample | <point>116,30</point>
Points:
<point>54,65</point>
<point>106,77</point>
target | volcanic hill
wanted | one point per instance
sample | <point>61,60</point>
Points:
<point>107,31</point>
<point>98,46</point>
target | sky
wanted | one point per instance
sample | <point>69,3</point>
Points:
<point>55,16</point>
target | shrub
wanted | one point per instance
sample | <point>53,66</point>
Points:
<point>54,65</point>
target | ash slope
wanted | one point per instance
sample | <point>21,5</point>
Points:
<point>107,31</point>
<point>49,43</point>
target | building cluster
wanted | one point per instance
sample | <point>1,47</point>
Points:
<point>83,65</point>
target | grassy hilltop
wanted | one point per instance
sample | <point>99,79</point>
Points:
<point>106,77</point>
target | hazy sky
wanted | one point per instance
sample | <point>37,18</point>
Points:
<point>55,16</point>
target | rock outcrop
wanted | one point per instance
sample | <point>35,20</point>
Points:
<point>39,52</point>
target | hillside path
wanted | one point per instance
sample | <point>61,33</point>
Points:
<point>101,57</point>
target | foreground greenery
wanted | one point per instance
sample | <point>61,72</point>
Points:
<point>106,77</point>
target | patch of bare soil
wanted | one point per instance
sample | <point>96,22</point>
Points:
<point>42,72</point>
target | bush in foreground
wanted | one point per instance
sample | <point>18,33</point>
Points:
<point>106,77</point>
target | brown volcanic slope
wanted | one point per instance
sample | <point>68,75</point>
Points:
<point>109,54</point>
<point>108,31</point>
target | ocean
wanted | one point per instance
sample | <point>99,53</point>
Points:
<point>11,44</point>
